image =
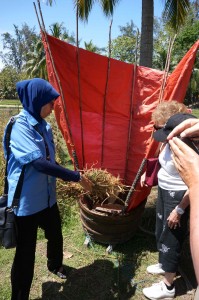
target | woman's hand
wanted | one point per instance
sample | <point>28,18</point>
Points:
<point>188,128</point>
<point>86,183</point>
<point>174,219</point>
<point>142,180</point>
<point>186,161</point>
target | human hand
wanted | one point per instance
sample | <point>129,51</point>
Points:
<point>188,128</point>
<point>142,180</point>
<point>86,183</point>
<point>174,219</point>
<point>186,161</point>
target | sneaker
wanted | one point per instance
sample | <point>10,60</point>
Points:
<point>159,291</point>
<point>155,269</point>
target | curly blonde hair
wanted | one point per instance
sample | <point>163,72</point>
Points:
<point>165,110</point>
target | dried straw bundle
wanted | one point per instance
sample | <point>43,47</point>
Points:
<point>106,187</point>
<point>66,190</point>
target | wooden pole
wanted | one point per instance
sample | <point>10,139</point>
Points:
<point>105,95</point>
<point>79,88</point>
<point>132,105</point>
<point>43,30</point>
<point>142,165</point>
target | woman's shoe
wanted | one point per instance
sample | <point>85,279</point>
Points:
<point>155,269</point>
<point>60,272</point>
<point>159,291</point>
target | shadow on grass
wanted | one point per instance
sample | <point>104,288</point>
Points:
<point>105,279</point>
<point>109,278</point>
<point>120,275</point>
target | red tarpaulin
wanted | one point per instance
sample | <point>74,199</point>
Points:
<point>105,110</point>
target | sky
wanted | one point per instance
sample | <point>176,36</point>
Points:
<point>18,12</point>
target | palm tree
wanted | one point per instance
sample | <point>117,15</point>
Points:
<point>36,65</point>
<point>56,29</point>
<point>59,31</point>
<point>93,48</point>
<point>84,7</point>
<point>146,41</point>
<point>174,14</point>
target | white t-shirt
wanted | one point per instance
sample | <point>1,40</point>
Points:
<point>168,176</point>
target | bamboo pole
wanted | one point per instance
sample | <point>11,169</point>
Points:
<point>166,70</point>
<point>79,88</point>
<point>105,95</point>
<point>142,165</point>
<point>43,30</point>
<point>131,106</point>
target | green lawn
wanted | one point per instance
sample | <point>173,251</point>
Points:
<point>195,112</point>
<point>10,102</point>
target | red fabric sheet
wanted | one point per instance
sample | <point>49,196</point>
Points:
<point>108,122</point>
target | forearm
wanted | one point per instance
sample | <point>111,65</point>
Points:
<point>48,168</point>
<point>194,227</point>
<point>185,201</point>
<point>174,218</point>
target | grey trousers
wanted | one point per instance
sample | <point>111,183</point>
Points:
<point>169,241</point>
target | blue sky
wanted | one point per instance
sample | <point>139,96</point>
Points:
<point>96,29</point>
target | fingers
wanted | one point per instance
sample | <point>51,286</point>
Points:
<point>182,154</point>
<point>180,151</point>
<point>189,128</point>
<point>186,161</point>
<point>173,220</point>
<point>179,148</point>
<point>177,151</point>
<point>193,131</point>
<point>142,180</point>
<point>142,183</point>
<point>173,225</point>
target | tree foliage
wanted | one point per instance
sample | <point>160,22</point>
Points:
<point>124,46</point>
<point>93,48</point>
<point>24,52</point>
<point>84,7</point>
<point>59,31</point>
<point>161,41</point>
<point>175,13</point>
<point>36,64</point>
<point>192,95</point>
<point>8,79</point>
<point>17,46</point>
<point>187,36</point>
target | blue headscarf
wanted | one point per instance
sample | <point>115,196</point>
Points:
<point>34,94</point>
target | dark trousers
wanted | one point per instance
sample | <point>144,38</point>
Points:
<point>23,265</point>
<point>169,241</point>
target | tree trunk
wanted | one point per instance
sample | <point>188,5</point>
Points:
<point>146,44</point>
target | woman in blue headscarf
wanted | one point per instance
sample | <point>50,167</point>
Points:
<point>31,145</point>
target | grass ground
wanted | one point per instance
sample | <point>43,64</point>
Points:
<point>11,102</point>
<point>96,274</point>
